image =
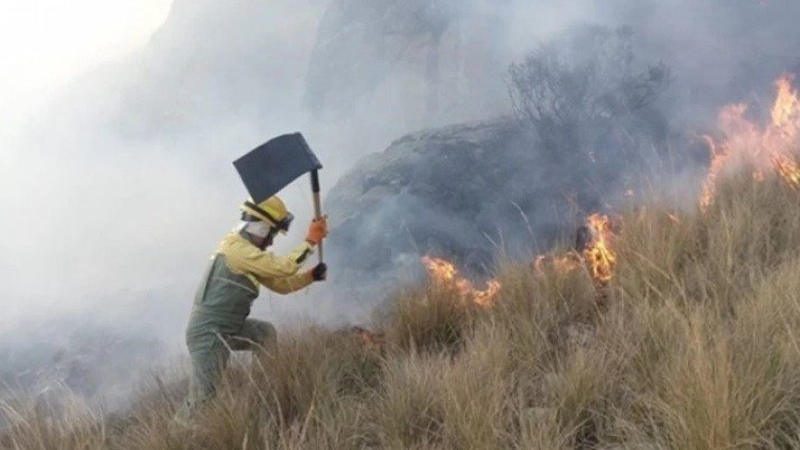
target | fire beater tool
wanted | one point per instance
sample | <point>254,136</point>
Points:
<point>271,166</point>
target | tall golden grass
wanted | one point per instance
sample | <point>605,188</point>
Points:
<point>696,346</point>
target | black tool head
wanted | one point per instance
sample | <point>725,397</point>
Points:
<point>269,167</point>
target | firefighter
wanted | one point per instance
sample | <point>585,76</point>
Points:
<point>219,319</point>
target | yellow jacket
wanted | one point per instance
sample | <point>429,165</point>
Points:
<point>277,273</point>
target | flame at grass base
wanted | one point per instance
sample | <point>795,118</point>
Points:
<point>597,256</point>
<point>444,274</point>
<point>600,258</point>
<point>595,252</point>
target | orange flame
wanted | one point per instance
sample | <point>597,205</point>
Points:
<point>445,274</point>
<point>600,258</point>
<point>597,254</point>
<point>770,149</point>
<point>788,169</point>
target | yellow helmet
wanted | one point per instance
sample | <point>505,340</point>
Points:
<point>272,211</point>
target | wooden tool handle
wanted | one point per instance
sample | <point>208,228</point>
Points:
<point>317,204</point>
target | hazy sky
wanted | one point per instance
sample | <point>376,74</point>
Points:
<point>100,219</point>
<point>46,43</point>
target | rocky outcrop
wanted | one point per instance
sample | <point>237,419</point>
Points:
<point>439,56</point>
<point>472,192</point>
<point>428,192</point>
<point>467,192</point>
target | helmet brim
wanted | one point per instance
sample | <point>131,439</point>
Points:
<point>283,225</point>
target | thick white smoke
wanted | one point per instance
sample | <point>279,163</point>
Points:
<point>115,193</point>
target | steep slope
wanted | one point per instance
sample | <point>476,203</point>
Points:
<point>691,345</point>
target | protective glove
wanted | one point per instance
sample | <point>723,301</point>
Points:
<point>319,272</point>
<point>317,230</point>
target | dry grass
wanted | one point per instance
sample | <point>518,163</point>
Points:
<point>37,422</point>
<point>696,346</point>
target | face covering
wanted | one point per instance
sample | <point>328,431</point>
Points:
<point>258,229</point>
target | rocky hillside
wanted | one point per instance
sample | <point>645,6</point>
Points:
<point>436,58</point>
<point>435,191</point>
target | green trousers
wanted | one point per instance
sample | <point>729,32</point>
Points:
<point>210,352</point>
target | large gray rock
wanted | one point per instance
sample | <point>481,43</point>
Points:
<point>477,191</point>
<point>466,192</point>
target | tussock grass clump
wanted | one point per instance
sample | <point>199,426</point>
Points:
<point>50,420</point>
<point>442,401</point>
<point>429,319</point>
<point>146,423</point>
<point>312,370</point>
<point>693,345</point>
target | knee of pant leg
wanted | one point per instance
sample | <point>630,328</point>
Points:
<point>256,332</point>
<point>262,332</point>
<point>268,333</point>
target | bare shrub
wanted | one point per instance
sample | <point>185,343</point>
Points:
<point>586,98</point>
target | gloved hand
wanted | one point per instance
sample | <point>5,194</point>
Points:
<point>317,230</point>
<point>319,272</point>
